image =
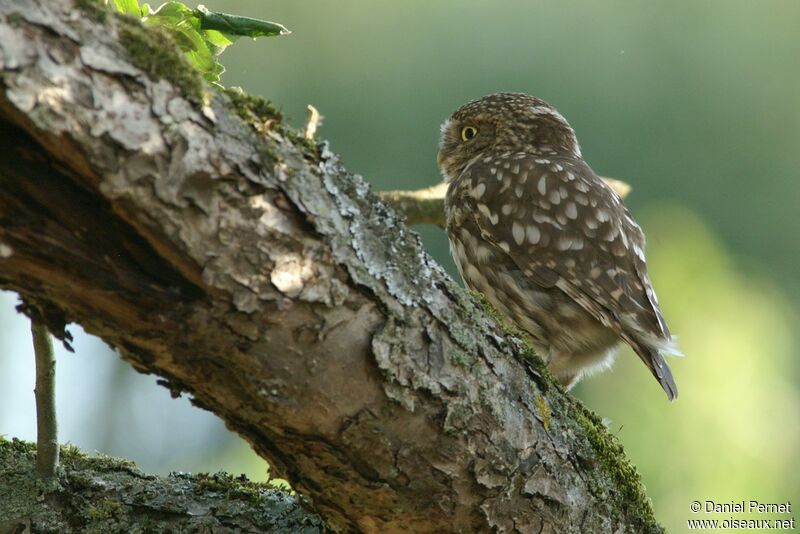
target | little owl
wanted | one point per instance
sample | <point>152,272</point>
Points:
<point>546,241</point>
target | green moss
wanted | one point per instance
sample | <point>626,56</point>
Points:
<point>543,410</point>
<point>153,50</point>
<point>93,9</point>
<point>71,455</point>
<point>15,19</point>
<point>106,509</point>
<point>630,498</point>
<point>522,338</point>
<point>262,116</point>
<point>254,110</point>
<point>238,487</point>
<point>105,495</point>
<point>461,358</point>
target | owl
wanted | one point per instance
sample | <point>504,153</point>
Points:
<point>546,241</point>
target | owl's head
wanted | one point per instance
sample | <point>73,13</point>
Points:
<point>500,123</point>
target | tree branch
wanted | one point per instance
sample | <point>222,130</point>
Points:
<point>426,206</point>
<point>240,262</point>
<point>46,421</point>
<point>104,494</point>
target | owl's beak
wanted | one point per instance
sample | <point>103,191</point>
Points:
<point>439,158</point>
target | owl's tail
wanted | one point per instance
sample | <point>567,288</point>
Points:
<point>651,354</point>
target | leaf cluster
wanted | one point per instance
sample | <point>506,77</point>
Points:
<point>202,35</point>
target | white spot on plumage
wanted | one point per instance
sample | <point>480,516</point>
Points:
<point>564,243</point>
<point>571,210</point>
<point>554,197</point>
<point>603,215</point>
<point>483,254</point>
<point>493,170</point>
<point>503,245</point>
<point>547,110</point>
<point>581,199</point>
<point>518,191</point>
<point>542,161</point>
<point>479,190</point>
<point>542,185</point>
<point>533,234</point>
<point>541,217</point>
<point>505,209</point>
<point>518,232</point>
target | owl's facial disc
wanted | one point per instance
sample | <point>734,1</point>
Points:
<point>462,140</point>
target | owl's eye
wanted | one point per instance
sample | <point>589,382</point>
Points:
<point>468,132</point>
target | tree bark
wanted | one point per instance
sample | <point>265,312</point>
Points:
<point>221,250</point>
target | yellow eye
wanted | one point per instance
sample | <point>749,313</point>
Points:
<point>468,132</point>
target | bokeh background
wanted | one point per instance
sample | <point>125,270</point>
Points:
<point>693,103</point>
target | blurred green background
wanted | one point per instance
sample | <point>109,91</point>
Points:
<point>693,103</point>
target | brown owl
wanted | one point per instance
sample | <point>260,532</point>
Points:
<point>548,243</point>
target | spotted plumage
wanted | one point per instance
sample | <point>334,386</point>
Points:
<point>548,243</point>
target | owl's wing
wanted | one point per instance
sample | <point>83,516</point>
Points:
<point>565,228</point>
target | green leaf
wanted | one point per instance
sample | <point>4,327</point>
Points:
<point>173,14</point>
<point>199,54</point>
<point>202,35</point>
<point>128,7</point>
<point>238,26</point>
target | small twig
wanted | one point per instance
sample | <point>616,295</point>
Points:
<point>426,206</point>
<point>46,424</point>
<point>622,188</point>
<point>420,206</point>
<point>312,122</point>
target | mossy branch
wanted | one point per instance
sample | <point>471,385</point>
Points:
<point>426,206</point>
<point>103,494</point>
